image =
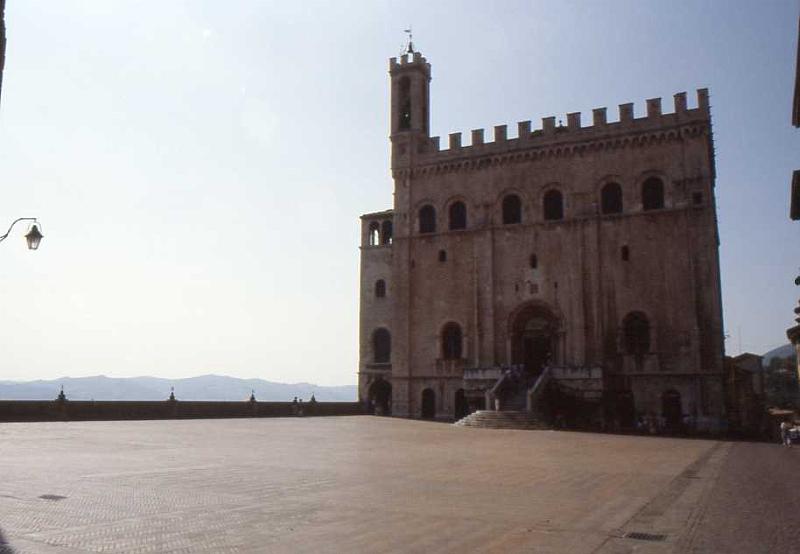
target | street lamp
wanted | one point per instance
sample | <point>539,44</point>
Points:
<point>33,236</point>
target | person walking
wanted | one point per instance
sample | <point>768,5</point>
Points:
<point>785,438</point>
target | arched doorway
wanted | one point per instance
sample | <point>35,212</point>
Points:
<point>428,404</point>
<point>461,405</point>
<point>671,409</point>
<point>625,409</point>
<point>533,338</point>
<point>380,397</point>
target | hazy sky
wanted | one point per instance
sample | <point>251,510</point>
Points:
<point>199,166</point>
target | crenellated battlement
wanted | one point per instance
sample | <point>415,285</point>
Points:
<point>574,130</point>
<point>415,58</point>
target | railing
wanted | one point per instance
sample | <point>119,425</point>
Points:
<point>482,373</point>
<point>536,391</point>
<point>450,367</point>
<point>489,373</point>
<point>380,366</point>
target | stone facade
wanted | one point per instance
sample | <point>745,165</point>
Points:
<point>793,333</point>
<point>574,246</point>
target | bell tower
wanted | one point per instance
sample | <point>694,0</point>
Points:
<point>410,77</point>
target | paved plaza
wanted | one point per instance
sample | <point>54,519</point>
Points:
<point>370,484</point>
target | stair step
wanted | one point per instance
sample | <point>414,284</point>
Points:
<point>506,419</point>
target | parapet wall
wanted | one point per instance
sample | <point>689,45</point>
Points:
<point>44,410</point>
<point>573,131</point>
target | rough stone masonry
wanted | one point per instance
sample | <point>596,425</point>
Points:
<point>570,245</point>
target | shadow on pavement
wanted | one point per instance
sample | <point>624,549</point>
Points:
<point>5,547</point>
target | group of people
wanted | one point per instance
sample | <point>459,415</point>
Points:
<point>297,405</point>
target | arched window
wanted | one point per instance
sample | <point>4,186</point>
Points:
<point>386,232</point>
<point>458,216</point>
<point>636,334</point>
<point>442,255</point>
<point>652,194</point>
<point>451,342</point>
<point>380,288</point>
<point>533,261</point>
<point>374,233</point>
<point>405,104</point>
<point>512,209</point>
<point>427,219</point>
<point>611,199</point>
<point>553,206</point>
<point>381,346</point>
<point>625,253</point>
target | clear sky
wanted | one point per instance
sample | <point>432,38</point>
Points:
<point>199,166</point>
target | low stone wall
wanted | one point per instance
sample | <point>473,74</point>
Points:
<point>44,410</point>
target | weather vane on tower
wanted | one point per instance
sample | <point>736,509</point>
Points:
<point>408,47</point>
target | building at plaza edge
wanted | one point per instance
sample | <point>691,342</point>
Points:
<point>578,258</point>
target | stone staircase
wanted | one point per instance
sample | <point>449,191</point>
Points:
<point>506,419</point>
<point>515,401</point>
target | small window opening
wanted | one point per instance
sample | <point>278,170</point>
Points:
<point>442,255</point>
<point>625,254</point>
<point>533,261</point>
<point>512,209</point>
<point>380,288</point>
<point>697,198</point>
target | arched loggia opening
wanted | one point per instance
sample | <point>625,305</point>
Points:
<point>374,233</point>
<point>386,232</point>
<point>380,397</point>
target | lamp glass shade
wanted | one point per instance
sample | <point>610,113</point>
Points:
<point>34,237</point>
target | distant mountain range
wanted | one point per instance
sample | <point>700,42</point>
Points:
<point>785,351</point>
<point>204,387</point>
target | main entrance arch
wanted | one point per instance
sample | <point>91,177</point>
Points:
<point>534,337</point>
